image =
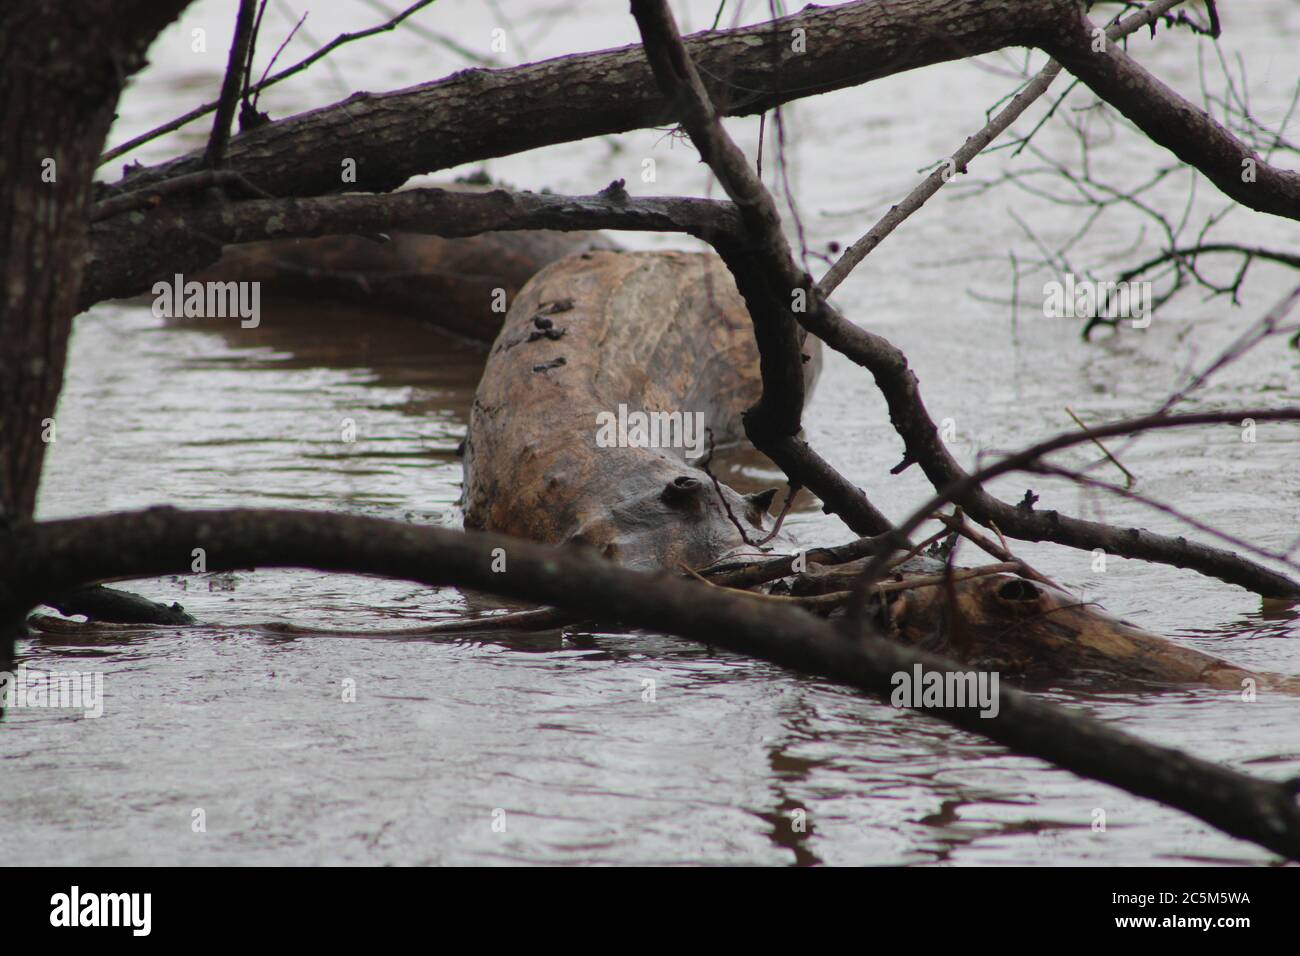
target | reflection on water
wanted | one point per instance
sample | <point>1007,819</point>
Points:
<point>556,728</point>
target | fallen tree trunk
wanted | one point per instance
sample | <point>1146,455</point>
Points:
<point>597,353</point>
<point>603,337</point>
<point>1042,636</point>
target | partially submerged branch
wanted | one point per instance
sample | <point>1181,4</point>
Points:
<point>1176,551</point>
<point>39,560</point>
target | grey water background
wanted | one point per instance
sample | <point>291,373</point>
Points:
<point>553,729</point>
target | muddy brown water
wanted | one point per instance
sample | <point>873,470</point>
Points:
<point>555,729</point>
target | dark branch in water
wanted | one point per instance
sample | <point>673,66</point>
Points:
<point>41,560</point>
<point>99,603</point>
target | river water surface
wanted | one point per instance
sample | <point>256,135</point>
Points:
<point>550,732</point>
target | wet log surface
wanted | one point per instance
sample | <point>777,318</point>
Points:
<point>651,332</point>
<point>449,283</point>
<point>668,332</point>
<point>1041,636</point>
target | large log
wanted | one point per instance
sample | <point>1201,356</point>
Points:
<point>667,332</point>
<point>449,283</point>
<point>593,339</point>
<point>1040,635</point>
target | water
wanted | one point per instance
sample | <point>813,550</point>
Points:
<point>553,729</point>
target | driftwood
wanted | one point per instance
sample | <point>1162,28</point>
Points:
<point>449,283</point>
<point>668,332</point>
<point>1038,635</point>
<point>647,332</point>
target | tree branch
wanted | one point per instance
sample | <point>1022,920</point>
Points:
<point>1189,133</point>
<point>1176,551</point>
<point>214,157</point>
<point>200,111</point>
<point>974,145</point>
<point>393,136</point>
<point>766,275</point>
<point>128,253</point>
<point>38,560</point>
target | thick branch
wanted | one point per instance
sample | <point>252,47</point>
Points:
<point>1188,132</point>
<point>393,136</point>
<point>130,252</point>
<point>766,275</point>
<point>39,560</point>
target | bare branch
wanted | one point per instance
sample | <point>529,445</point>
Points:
<point>1192,135</point>
<point>1178,552</point>
<point>768,278</point>
<point>973,146</point>
<point>37,560</point>
<point>773,286</point>
<point>215,155</point>
<point>129,253</point>
<point>201,111</point>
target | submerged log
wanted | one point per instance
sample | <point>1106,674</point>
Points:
<point>449,283</point>
<point>600,353</point>
<point>599,337</point>
<point>1040,635</point>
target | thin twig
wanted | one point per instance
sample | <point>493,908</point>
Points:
<point>973,146</point>
<point>959,524</point>
<point>1129,479</point>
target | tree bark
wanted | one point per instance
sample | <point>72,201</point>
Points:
<point>129,252</point>
<point>40,560</point>
<point>480,113</point>
<point>65,64</point>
